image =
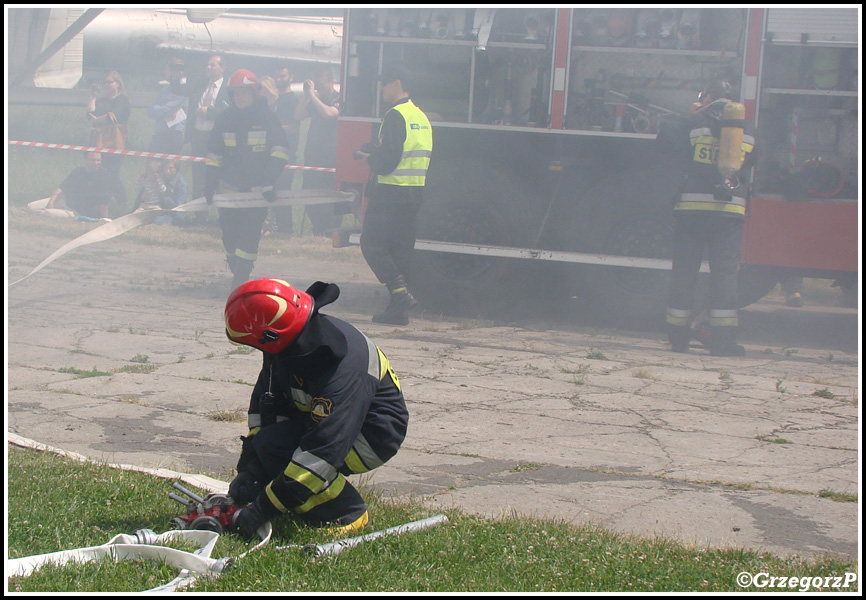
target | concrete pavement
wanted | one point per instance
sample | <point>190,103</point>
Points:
<point>577,423</point>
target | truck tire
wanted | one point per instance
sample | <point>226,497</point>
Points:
<point>475,206</point>
<point>627,214</point>
<point>629,297</point>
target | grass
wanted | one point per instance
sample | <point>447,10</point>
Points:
<point>238,415</point>
<point>644,373</point>
<point>80,373</point>
<point>772,440</point>
<point>57,504</point>
<point>838,496</point>
<point>594,354</point>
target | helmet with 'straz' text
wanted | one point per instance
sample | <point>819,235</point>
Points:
<point>268,314</point>
<point>243,78</point>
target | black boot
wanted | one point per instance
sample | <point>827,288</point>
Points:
<point>723,342</point>
<point>679,337</point>
<point>397,312</point>
<point>241,271</point>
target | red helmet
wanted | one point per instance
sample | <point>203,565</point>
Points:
<point>267,314</point>
<point>243,78</point>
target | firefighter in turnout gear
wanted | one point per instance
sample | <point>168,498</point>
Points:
<point>327,404</point>
<point>398,164</point>
<point>247,151</point>
<point>719,148</point>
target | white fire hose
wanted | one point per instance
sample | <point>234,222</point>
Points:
<point>232,200</point>
<point>145,544</point>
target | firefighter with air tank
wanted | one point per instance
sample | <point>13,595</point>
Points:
<point>717,147</point>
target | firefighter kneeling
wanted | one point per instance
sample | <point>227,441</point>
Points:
<point>710,212</point>
<point>327,404</point>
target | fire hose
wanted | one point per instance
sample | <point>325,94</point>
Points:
<point>144,542</point>
<point>125,223</point>
<point>205,521</point>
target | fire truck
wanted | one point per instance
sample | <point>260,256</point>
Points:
<point>546,177</point>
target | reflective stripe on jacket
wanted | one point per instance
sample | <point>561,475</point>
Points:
<point>703,191</point>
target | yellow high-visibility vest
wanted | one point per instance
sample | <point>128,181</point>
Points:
<point>412,168</point>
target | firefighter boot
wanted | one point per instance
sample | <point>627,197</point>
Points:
<point>241,269</point>
<point>723,342</point>
<point>401,302</point>
<point>679,337</point>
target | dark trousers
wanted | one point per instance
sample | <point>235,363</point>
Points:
<point>274,446</point>
<point>722,238</point>
<point>241,232</point>
<point>322,216</point>
<point>283,214</point>
<point>198,147</point>
<point>388,238</point>
<point>111,163</point>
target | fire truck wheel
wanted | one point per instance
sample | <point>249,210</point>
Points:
<point>626,214</point>
<point>461,284</point>
<point>631,297</point>
<point>468,209</point>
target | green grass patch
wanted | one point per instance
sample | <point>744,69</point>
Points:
<point>140,368</point>
<point>229,416</point>
<point>81,373</point>
<point>57,504</point>
<point>645,374</point>
<point>527,466</point>
<point>772,440</point>
<point>838,496</point>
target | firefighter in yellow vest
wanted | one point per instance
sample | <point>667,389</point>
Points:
<point>398,164</point>
<point>717,147</point>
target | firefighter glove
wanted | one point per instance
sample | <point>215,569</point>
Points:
<point>244,488</point>
<point>250,518</point>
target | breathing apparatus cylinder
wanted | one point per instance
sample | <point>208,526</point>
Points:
<point>731,140</point>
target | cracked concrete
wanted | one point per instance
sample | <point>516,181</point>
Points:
<point>568,421</point>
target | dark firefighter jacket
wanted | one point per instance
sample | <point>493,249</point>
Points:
<point>247,149</point>
<point>338,381</point>
<point>694,140</point>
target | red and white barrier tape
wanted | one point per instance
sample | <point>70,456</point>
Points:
<point>146,154</point>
